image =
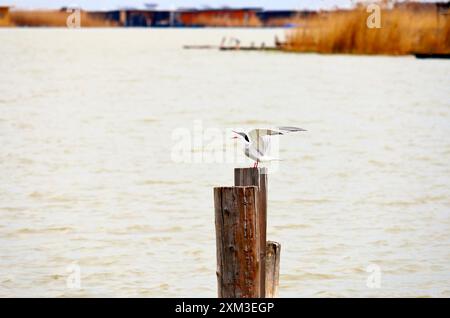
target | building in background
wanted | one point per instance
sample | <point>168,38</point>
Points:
<point>238,17</point>
<point>135,18</point>
<point>224,17</point>
<point>4,16</point>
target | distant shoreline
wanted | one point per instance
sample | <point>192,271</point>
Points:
<point>421,29</point>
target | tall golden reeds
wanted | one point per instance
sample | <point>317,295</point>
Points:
<point>39,18</point>
<point>403,31</point>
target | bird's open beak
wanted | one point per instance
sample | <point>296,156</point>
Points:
<point>235,137</point>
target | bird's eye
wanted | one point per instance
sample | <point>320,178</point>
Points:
<point>246,138</point>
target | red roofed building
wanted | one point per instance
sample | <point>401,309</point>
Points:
<point>244,17</point>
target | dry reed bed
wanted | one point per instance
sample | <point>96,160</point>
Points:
<point>403,31</point>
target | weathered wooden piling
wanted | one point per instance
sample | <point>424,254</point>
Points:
<point>246,265</point>
<point>237,240</point>
<point>272,269</point>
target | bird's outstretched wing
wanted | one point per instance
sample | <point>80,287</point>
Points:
<point>287,129</point>
<point>261,137</point>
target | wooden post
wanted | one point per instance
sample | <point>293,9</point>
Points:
<point>237,241</point>
<point>257,177</point>
<point>272,269</point>
<point>247,266</point>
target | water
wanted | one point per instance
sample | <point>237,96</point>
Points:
<point>86,120</point>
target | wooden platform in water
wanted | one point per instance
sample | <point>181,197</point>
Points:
<point>231,48</point>
<point>250,48</point>
<point>431,56</point>
<point>200,47</point>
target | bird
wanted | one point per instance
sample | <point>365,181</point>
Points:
<point>257,142</point>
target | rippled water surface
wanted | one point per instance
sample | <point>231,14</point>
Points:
<point>87,178</point>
